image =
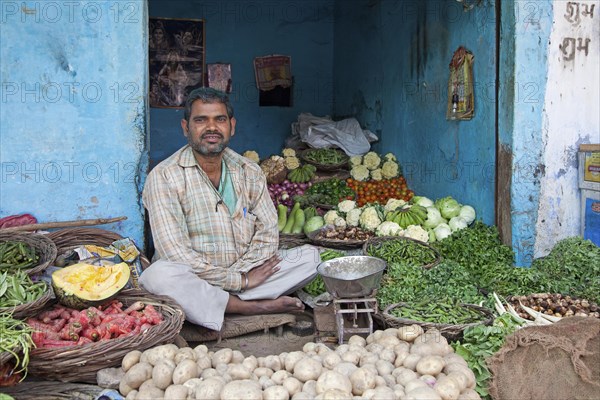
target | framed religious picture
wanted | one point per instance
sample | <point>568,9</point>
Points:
<point>176,57</point>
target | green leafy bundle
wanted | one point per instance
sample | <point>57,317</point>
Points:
<point>481,342</point>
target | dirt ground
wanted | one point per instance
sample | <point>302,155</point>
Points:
<point>261,344</point>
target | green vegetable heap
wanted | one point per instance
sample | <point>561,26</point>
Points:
<point>16,254</point>
<point>325,156</point>
<point>330,192</point>
<point>18,288</point>
<point>317,286</point>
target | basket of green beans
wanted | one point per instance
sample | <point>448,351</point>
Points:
<point>29,252</point>
<point>448,317</point>
<point>325,159</point>
<point>401,249</point>
<point>22,295</point>
<point>15,344</point>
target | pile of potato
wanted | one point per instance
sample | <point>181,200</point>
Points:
<point>404,363</point>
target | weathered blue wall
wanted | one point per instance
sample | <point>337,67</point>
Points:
<point>391,72</point>
<point>526,30</point>
<point>236,32</point>
<point>73,111</point>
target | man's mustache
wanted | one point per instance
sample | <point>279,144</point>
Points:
<point>211,133</point>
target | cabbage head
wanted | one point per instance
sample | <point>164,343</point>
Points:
<point>448,207</point>
<point>422,201</point>
<point>313,223</point>
<point>434,218</point>
<point>457,223</point>
<point>442,231</point>
<point>468,214</point>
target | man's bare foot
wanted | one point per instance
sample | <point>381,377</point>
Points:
<point>281,304</point>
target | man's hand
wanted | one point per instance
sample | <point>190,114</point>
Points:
<point>259,274</point>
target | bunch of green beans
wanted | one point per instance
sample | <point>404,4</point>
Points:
<point>317,286</point>
<point>402,251</point>
<point>18,288</point>
<point>15,338</point>
<point>16,254</point>
<point>439,313</point>
<point>326,156</point>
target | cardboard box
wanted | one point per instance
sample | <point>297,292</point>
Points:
<point>589,166</point>
<point>590,215</point>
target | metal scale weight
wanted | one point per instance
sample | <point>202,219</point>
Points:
<point>352,281</point>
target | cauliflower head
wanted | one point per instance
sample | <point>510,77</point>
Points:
<point>389,157</point>
<point>359,173</point>
<point>376,174</point>
<point>339,222</point>
<point>390,169</point>
<point>369,219</point>
<point>292,162</point>
<point>287,152</point>
<point>371,160</point>
<point>330,217</point>
<point>353,216</point>
<point>252,155</point>
<point>416,232</point>
<point>388,228</point>
<point>393,204</point>
<point>355,160</point>
<point>346,205</point>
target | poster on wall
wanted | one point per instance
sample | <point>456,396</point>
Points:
<point>219,76</point>
<point>176,57</point>
<point>274,80</point>
<point>461,98</point>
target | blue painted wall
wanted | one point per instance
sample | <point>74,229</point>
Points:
<point>72,111</point>
<point>526,32</point>
<point>391,73</point>
<point>236,32</point>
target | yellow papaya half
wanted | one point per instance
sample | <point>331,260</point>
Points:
<point>84,285</point>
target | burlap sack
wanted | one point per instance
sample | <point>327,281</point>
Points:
<point>553,362</point>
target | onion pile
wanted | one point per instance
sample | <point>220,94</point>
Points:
<point>283,193</point>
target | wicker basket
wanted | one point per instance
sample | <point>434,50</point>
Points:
<point>44,247</point>
<point>325,167</point>
<point>5,356</point>
<point>335,243</point>
<point>290,240</point>
<point>26,310</point>
<point>377,241</point>
<point>68,239</point>
<point>80,363</point>
<point>451,332</point>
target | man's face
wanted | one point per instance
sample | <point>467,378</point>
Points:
<point>209,128</point>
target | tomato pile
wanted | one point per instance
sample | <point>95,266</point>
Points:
<point>380,191</point>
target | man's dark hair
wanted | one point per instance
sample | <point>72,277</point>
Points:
<point>207,95</point>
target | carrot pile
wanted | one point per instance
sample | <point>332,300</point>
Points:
<point>62,326</point>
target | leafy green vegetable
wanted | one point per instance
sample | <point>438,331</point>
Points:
<point>574,265</point>
<point>317,286</point>
<point>481,342</point>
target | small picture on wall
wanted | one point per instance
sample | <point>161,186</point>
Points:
<point>176,56</point>
<point>219,76</point>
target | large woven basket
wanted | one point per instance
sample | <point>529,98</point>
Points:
<point>379,240</point>
<point>290,240</point>
<point>80,363</point>
<point>340,244</point>
<point>68,239</point>
<point>51,390</point>
<point>451,332</point>
<point>30,309</point>
<point>325,167</point>
<point>44,247</point>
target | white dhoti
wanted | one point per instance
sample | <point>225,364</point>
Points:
<point>204,304</point>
